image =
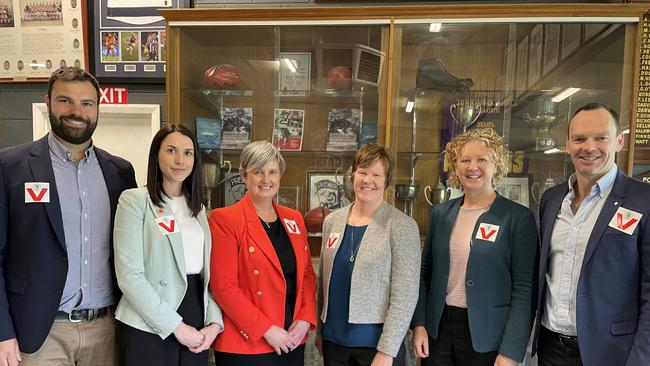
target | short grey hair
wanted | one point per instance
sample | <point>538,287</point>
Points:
<point>256,154</point>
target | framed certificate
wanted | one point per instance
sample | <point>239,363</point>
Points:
<point>38,37</point>
<point>295,71</point>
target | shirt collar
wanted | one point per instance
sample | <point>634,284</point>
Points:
<point>61,152</point>
<point>602,187</point>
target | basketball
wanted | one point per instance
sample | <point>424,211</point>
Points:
<point>314,219</point>
<point>222,76</point>
<point>339,78</point>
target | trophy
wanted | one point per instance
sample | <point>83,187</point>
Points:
<point>465,114</point>
<point>541,188</point>
<point>543,117</point>
<point>406,193</point>
<point>348,188</point>
<point>438,194</point>
<point>211,179</point>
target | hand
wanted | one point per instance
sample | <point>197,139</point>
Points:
<point>382,359</point>
<point>505,361</point>
<point>297,332</point>
<point>9,353</point>
<point>421,342</point>
<point>209,333</point>
<point>188,336</point>
<point>318,343</point>
<point>278,338</point>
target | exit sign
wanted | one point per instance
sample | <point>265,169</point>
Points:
<point>114,95</point>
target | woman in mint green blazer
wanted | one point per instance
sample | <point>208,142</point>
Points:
<point>167,316</point>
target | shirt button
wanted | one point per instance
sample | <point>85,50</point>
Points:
<point>258,293</point>
<point>163,283</point>
<point>256,272</point>
<point>85,216</point>
<point>85,285</point>
<point>470,283</point>
<point>251,249</point>
<point>85,238</point>
<point>85,262</point>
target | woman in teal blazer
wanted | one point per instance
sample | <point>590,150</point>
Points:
<point>162,244</point>
<point>478,265</point>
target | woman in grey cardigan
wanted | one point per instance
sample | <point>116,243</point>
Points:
<point>369,271</point>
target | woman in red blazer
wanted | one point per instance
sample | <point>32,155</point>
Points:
<point>262,275</point>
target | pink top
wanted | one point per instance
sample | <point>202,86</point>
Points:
<point>459,253</point>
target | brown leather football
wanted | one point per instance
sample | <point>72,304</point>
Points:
<point>314,219</point>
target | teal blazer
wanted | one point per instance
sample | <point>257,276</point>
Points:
<point>150,267</point>
<point>500,276</point>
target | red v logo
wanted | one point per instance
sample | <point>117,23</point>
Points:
<point>331,241</point>
<point>170,228</point>
<point>36,197</point>
<point>487,235</point>
<point>621,225</point>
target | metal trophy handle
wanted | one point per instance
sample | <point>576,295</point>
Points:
<point>465,115</point>
<point>225,176</point>
<point>428,189</point>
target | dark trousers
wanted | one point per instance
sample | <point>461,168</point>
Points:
<point>556,350</point>
<point>337,355</point>
<point>454,344</point>
<point>137,348</point>
<point>293,358</point>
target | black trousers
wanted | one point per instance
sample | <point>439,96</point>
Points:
<point>138,348</point>
<point>293,358</point>
<point>337,355</point>
<point>454,344</point>
<point>555,350</point>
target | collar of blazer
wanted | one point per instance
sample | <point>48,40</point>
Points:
<point>297,234</point>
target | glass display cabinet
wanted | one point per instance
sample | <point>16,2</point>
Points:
<point>319,81</point>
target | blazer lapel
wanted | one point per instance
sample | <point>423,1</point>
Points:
<point>40,164</point>
<point>174,239</point>
<point>257,233</point>
<point>614,201</point>
<point>554,205</point>
<point>110,177</point>
<point>338,226</point>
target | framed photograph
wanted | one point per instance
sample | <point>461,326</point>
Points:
<point>551,47</point>
<point>535,55</point>
<point>522,65</point>
<point>570,39</point>
<point>516,189</point>
<point>295,71</point>
<point>288,127</point>
<point>236,127</point>
<point>38,37</point>
<point>343,129</point>
<point>208,133</point>
<point>234,188</point>
<point>290,197</point>
<point>325,189</point>
<point>130,37</point>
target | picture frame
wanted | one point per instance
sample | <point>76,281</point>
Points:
<point>208,133</point>
<point>535,55</point>
<point>234,188</point>
<point>551,47</point>
<point>295,71</point>
<point>515,188</point>
<point>290,196</point>
<point>522,66</point>
<point>571,36</point>
<point>40,37</point>
<point>325,188</point>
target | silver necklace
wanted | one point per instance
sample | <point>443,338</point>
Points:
<point>353,252</point>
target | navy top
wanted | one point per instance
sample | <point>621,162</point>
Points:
<point>337,329</point>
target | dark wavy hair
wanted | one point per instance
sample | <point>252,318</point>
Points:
<point>192,185</point>
<point>71,74</point>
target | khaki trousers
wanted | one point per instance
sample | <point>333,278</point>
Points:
<point>87,343</point>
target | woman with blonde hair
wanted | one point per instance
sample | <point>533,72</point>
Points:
<point>477,279</point>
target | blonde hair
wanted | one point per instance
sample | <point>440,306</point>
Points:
<point>256,154</point>
<point>490,139</point>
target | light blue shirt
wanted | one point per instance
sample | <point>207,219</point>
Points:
<point>86,214</point>
<point>568,244</point>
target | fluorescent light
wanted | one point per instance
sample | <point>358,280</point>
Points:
<point>290,64</point>
<point>435,27</point>
<point>409,106</point>
<point>625,131</point>
<point>552,150</point>
<point>564,94</point>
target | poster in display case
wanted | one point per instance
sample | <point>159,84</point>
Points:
<point>130,37</point>
<point>325,189</point>
<point>38,37</point>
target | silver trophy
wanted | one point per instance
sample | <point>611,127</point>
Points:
<point>438,194</point>
<point>212,178</point>
<point>465,114</point>
<point>543,116</point>
<point>538,189</point>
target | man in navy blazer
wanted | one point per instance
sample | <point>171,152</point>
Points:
<point>57,201</point>
<point>594,279</point>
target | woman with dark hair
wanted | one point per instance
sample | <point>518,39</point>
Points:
<point>162,244</point>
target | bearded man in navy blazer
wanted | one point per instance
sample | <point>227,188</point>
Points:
<point>58,196</point>
<point>594,280</point>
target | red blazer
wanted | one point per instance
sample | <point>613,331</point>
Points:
<point>247,279</point>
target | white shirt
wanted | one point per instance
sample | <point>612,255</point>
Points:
<point>191,233</point>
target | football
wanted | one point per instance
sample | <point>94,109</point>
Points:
<point>339,78</point>
<point>222,76</point>
<point>314,219</point>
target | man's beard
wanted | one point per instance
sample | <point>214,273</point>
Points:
<point>73,136</point>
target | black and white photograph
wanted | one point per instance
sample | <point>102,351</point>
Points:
<point>288,129</point>
<point>234,188</point>
<point>516,189</point>
<point>236,127</point>
<point>325,189</point>
<point>6,13</point>
<point>343,129</point>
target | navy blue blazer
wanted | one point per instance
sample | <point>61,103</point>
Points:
<point>33,258</point>
<point>500,277</point>
<point>613,302</point>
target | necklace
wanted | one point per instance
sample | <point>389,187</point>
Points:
<point>353,252</point>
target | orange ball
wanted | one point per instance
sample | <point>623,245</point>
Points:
<point>222,76</point>
<point>339,78</point>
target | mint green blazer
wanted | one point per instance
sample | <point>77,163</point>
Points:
<point>150,267</point>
